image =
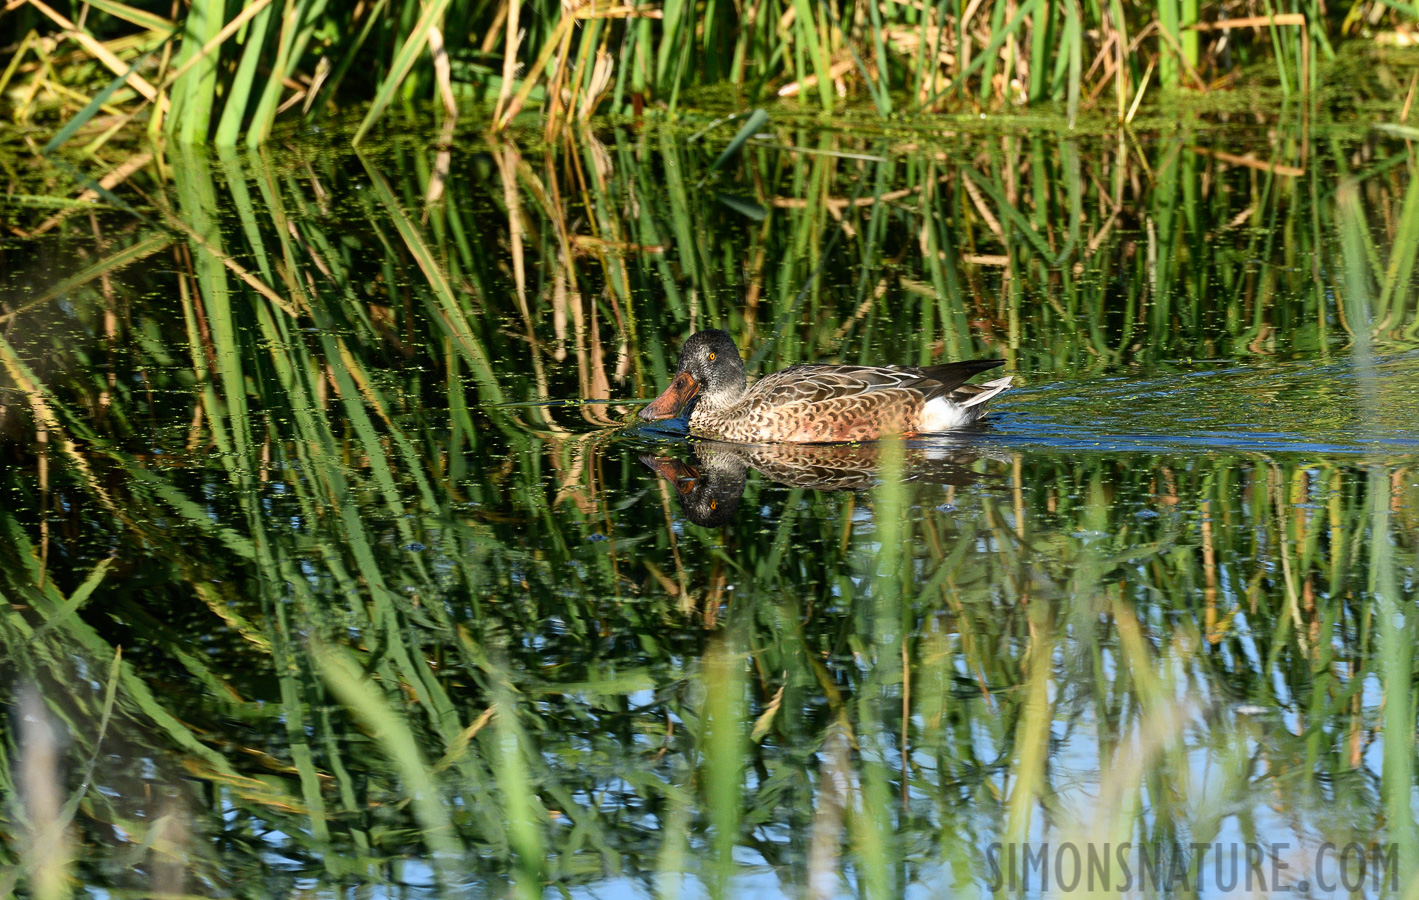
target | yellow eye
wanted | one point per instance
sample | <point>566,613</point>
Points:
<point>712,503</point>
<point>711,357</point>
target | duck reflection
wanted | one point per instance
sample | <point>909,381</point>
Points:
<point>711,482</point>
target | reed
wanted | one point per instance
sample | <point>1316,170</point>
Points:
<point>231,77</point>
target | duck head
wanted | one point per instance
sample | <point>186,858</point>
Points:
<point>710,372</point>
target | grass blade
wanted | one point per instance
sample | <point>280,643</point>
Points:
<point>403,62</point>
<point>757,119</point>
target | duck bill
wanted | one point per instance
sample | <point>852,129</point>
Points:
<point>671,403</point>
<point>681,475</point>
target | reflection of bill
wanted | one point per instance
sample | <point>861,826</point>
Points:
<point>711,482</point>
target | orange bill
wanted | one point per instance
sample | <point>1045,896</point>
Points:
<point>671,403</point>
<point>678,473</point>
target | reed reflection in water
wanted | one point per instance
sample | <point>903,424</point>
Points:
<point>325,582</point>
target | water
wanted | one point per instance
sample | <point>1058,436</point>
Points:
<point>336,561</point>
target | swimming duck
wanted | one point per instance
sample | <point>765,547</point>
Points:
<point>818,403</point>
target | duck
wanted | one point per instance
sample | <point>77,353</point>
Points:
<point>818,404</point>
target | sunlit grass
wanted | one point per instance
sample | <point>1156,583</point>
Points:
<point>228,78</point>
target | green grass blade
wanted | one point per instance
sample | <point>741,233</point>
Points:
<point>394,736</point>
<point>520,802</point>
<point>229,128</point>
<point>403,62</point>
<point>757,120</point>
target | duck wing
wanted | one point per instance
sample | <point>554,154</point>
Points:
<point>822,383</point>
<point>950,378</point>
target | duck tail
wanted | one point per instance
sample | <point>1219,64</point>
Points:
<point>987,390</point>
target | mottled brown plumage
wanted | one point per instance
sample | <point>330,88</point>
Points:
<point>818,403</point>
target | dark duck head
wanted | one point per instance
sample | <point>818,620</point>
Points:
<point>710,373</point>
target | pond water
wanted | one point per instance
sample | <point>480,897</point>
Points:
<point>336,562</point>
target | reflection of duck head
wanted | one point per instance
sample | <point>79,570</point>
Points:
<point>709,487</point>
<point>711,483</point>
